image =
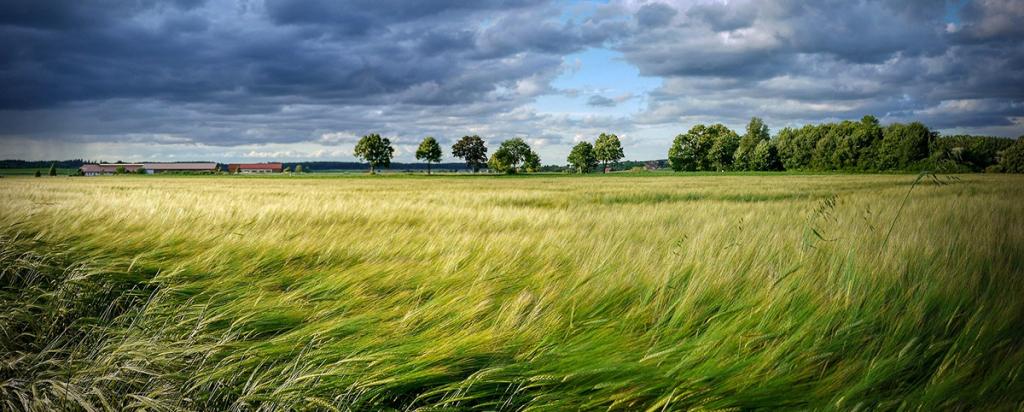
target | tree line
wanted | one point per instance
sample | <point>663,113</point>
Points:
<point>864,146</point>
<point>512,156</point>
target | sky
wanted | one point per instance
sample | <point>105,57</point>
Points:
<point>302,80</point>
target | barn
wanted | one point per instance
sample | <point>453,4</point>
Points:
<point>255,168</point>
<point>153,168</point>
<point>101,169</point>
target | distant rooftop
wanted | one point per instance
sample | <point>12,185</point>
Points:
<point>180,166</point>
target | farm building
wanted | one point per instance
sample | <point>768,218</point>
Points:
<point>108,168</point>
<point>150,168</point>
<point>247,168</point>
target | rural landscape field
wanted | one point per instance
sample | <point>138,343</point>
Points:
<point>545,292</point>
<point>511,205</point>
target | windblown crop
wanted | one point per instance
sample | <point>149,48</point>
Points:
<point>506,293</point>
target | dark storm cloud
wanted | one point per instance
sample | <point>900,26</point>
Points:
<point>992,21</point>
<point>251,59</point>
<point>61,53</point>
<point>795,61</point>
<point>288,71</point>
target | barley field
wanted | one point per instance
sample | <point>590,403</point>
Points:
<point>626,292</point>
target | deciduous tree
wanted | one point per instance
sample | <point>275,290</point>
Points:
<point>582,158</point>
<point>607,148</point>
<point>903,145</point>
<point>429,151</point>
<point>375,150</point>
<point>472,150</point>
<point>690,151</point>
<point>511,154</point>
<point>757,131</point>
<point>531,163</point>
<point>1012,159</point>
<point>682,155</point>
<point>723,147</point>
<point>765,157</point>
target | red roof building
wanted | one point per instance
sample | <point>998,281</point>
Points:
<point>150,168</point>
<point>247,168</point>
<point>108,168</point>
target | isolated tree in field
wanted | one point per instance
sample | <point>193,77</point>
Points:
<point>375,150</point>
<point>472,150</point>
<point>607,148</point>
<point>757,132</point>
<point>582,158</point>
<point>298,168</point>
<point>53,170</point>
<point>39,174</point>
<point>429,151</point>
<point>511,154</point>
<point>120,170</point>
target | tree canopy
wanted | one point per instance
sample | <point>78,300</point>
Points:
<point>1013,157</point>
<point>723,148</point>
<point>375,150</point>
<point>692,151</point>
<point>429,151</point>
<point>865,145</point>
<point>582,158</point>
<point>512,154</point>
<point>607,149</point>
<point>757,132</point>
<point>472,150</point>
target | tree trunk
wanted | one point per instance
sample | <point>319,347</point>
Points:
<point>604,169</point>
<point>428,168</point>
<point>371,168</point>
